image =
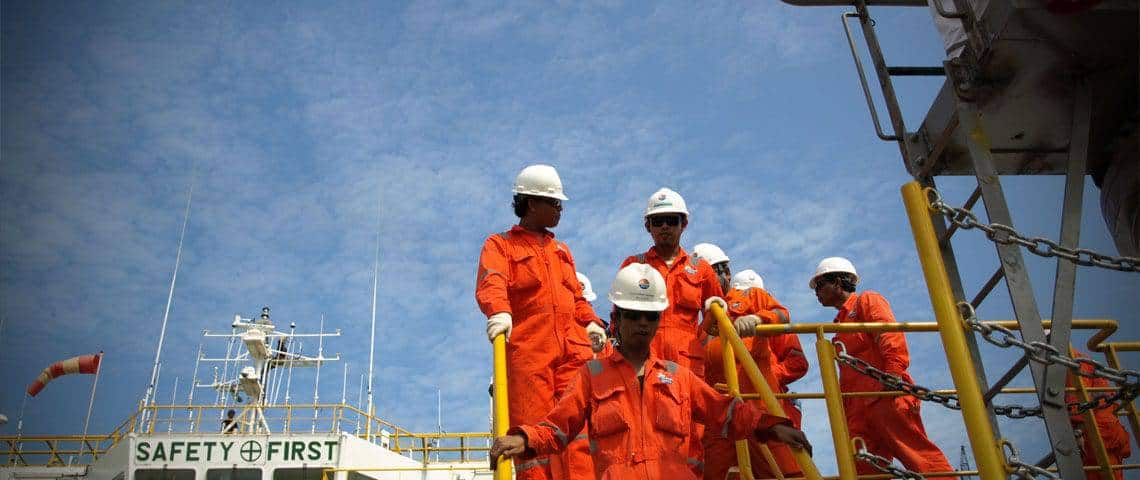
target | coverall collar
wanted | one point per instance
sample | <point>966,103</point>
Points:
<point>681,258</point>
<point>848,306</point>
<point>518,229</point>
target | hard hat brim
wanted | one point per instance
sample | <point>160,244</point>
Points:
<point>641,306</point>
<point>667,211</point>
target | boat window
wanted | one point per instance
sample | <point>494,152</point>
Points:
<point>233,474</point>
<point>298,474</point>
<point>163,474</point>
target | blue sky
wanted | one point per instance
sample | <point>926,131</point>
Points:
<point>313,125</point>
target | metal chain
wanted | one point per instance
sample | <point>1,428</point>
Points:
<point>1021,469</point>
<point>1044,247</point>
<point>949,400</point>
<point>883,464</point>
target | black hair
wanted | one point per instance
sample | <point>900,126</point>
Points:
<point>845,280</point>
<point>520,205</point>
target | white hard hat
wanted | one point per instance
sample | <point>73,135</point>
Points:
<point>746,279</point>
<point>587,288</point>
<point>639,287</point>
<point>709,253</point>
<point>665,201</point>
<point>833,264</point>
<point>540,181</point>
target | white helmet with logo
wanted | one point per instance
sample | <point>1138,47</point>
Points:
<point>709,253</point>
<point>833,264</point>
<point>587,288</point>
<point>666,201</point>
<point>747,279</point>
<point>540,181</point>
<point>639,287</point>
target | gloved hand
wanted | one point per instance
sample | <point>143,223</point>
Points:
<point>711,300</point>
<point>746,325</point>
<point>499,323</point>
<point>597,336</point>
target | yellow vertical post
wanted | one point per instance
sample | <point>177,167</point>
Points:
<point>743,459</point>
<point>729,335</point>
<point>829,376</point>
<point>952,330</point>
<point>1129,406</point>
<point>1092,431</point>
<point>502,412</point>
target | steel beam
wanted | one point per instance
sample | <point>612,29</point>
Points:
<point>1056,415</point>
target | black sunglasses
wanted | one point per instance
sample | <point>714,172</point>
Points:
<point>671,220</point>
<point>721,267</point>
<point>554,202</point>
<point>633,315</point>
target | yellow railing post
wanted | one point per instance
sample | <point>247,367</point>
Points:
<point>1092,431</point>
<point>728,334</point>
<point>743,459</point>
<point>502,413</point>
<point>829,376</point>
<point>952,330</point>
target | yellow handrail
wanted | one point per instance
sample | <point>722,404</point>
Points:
<point>840,436</point>
<point>987,454</point>
<point>743,459</point>
<point>728,332</point>
<point>502,411</point>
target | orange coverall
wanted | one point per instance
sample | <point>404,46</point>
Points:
<point>531,276</point>
<point>720,453</point>
<point>640,431</point>
<point>891,427</point>
<point>791,365</point>
<point>577,458</point>
<point>1112,432</point>
<point>688,282</point>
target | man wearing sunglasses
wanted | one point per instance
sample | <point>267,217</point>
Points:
<point>692,285</point>
<point>528,288</point>
<point>748,306</point>
<point>638,407</point>
<point>890,426</point>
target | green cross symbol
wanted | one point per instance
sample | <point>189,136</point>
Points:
<point>250,451</point>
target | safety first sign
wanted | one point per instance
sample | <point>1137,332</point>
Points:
<point>235,451</point>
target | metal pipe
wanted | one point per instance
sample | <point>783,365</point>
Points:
<point>840,436</point>
<point>743,459</point>
<point>501,466</point>
<point>1105,327</point>
<point>1005,379</point>
<point>987,288</point>
<point>991,465</point>
<point>1089,421</point>
<point>728,333</point>
<point>863,79</point>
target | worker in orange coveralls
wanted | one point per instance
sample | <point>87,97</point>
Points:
<point>790,364</point>
<point>1112,432</point>
<point>638,405</point>
<point>890,426</point>
<point>748,307</point>
<point>578,461</point>
<point>692,286</point>
<point>527,287</point>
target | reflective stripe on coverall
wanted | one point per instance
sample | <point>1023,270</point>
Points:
<point>688,282</point>
<point>532,277</point>
<point>639,432</point>
<point>720,453</point>
<point>892,427</point>
<point>1112,432</point>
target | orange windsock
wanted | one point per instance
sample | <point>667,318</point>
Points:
<point>82,364</point>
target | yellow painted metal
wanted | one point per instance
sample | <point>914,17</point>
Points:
<point>840,437</point>
<point>1104,327</point>
<point>743,459</point>
<point>1091,429</point>
<point>773,465</point>
<point>953,332</point>
<point>728,335</point>
<point>1129,407</point>
<point>821,396</point>
<point>502,413</point>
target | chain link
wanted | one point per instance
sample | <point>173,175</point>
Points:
<point>1044,247</point>
<point>883,464</point>
<point>1021,469</point>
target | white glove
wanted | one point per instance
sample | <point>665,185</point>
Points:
<point>746,325</point>
<point>499,323</point>
<point>711,300</point>
<point>597,336</point>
